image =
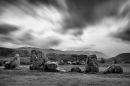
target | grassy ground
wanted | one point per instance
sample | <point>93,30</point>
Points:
<point>25,77</point>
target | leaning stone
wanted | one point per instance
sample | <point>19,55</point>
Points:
<point>14,63</point>
<point>114,69</point>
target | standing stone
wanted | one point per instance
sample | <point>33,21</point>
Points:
<point>16,60</point>
<point>14,63</point>
<point>91,65</point>
<point>33,60</point>
<point>37,60</point>
<point>41,61</point>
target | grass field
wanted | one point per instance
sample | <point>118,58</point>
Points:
<point>25,77</point>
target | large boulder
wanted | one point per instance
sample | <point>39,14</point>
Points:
<point>76,69</point>
<point>91,65</point>
<point>114,69</point>
<point>51,67</point>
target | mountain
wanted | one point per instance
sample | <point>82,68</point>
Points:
<point>121,58</point>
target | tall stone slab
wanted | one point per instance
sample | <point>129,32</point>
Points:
<point>91,65</point>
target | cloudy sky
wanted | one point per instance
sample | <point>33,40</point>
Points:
<point>97,25</point>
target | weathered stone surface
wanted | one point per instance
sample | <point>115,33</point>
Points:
<point>51,67</point>
<point>2,62</point>
<point>37,60</point>
<point>114,69</point>
<point>9,66</point>
<point>76,69</point>
<point>91,65</point>
<point>14,63</point>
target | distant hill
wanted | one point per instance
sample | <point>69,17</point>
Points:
<point>99,54</point>
<point>121,58</point>
<point>25,52</point>
<point>6,51</point>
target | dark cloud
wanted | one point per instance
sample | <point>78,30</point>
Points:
<point>125,10</point>
<point>8,1</point>
<point>56,3</point>
<point>6,39</point>
<point>37,2</point>
<point>33,2</point>
<point>51,42</point>
<point>17,5</point>
<point>26,38</point>
<point>85,12</point>
<point>82,12</point>
<point>28,7</point>
<point>78,33</point>
<point>6,29</point>
<point>124,34</point>
<point>54,42</point>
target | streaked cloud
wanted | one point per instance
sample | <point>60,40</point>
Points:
<point>66,24</point>
<point>7,29</point>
